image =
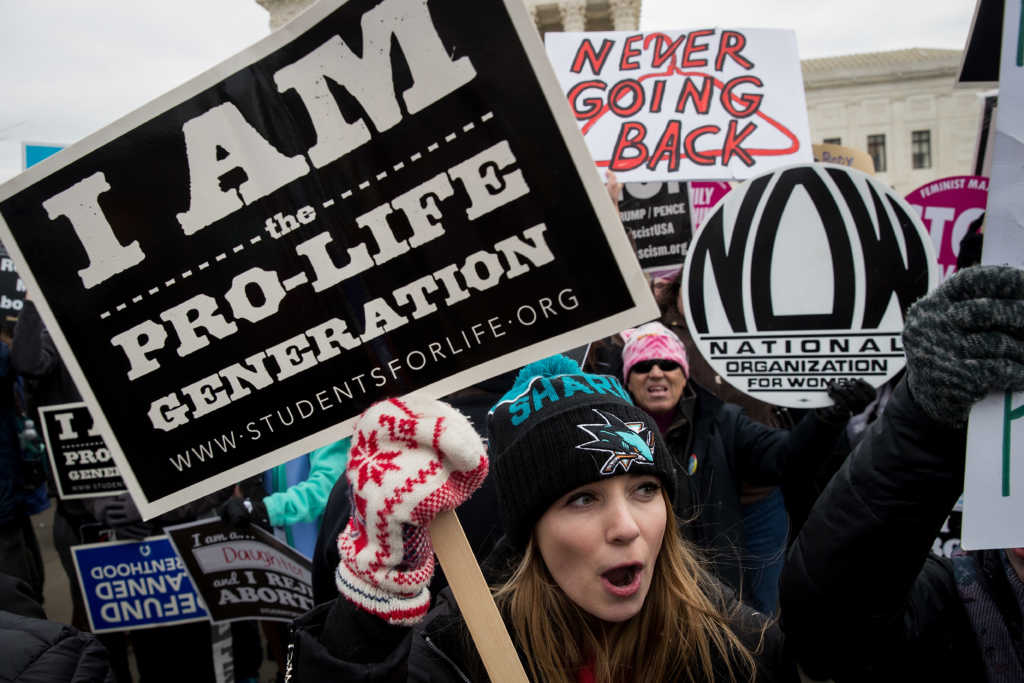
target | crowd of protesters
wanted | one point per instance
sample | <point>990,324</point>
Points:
<point>599,578</point>
<point>635,516</point>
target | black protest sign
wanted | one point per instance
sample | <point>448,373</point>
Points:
<point>390,196</point>
<point>12,288</point>
<point>223,653</point>
<point>244,573</point>
<point>657,215</point>
<point>948,541</point>
<point>82,465</point>
<point>801,277</point>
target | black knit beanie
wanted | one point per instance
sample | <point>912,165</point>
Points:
<point>559,428</point>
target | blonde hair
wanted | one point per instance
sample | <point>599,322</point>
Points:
<point>675,635</point>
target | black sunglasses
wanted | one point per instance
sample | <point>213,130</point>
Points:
<point>645,366</point>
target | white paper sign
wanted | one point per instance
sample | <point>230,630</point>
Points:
<point>994,481</point>
<point>700,104</point>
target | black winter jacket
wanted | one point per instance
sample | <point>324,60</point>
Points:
<point>337,641</point>
<point>34,650</point>
<point>34,356</point>
<point>40,651</point>
<point>723,448</point>
<point>862,597</point>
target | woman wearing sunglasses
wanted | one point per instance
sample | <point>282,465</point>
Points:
<point>716,447</point>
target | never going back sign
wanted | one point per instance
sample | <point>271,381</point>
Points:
<point>389,196</point>
<point>699,104</point>
<point>801,277</point>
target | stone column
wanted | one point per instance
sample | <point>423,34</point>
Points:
<point>531,7</point>
<point>283,11</point>
<point>625,14</point>
<point>574,14</point>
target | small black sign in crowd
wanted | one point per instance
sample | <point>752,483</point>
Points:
<point>244,574</point>
<point>82,465</point>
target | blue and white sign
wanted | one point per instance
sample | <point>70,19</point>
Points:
<point>130,585</point>
<point>32,153</point>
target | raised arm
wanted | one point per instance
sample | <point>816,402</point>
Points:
<point>410,459</point>
<point>853,590</point>
<point>776,456</point>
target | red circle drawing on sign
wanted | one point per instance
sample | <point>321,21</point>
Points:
<point>674,70</point>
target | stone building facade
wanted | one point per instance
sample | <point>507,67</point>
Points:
<point>899,106</point>
<point>585,15</point>
<point>548,15</point>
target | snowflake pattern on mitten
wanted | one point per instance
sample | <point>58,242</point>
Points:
<point>409,461</point>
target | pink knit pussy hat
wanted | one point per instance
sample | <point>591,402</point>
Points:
<point>651,341</point>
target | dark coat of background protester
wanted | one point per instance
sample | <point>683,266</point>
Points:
<point>34,650</point>
<point>863,597</point>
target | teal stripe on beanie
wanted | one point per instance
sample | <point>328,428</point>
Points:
<point>551,366</point>
<point>559,428</point>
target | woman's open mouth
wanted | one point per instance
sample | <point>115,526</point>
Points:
<point>623,581</point>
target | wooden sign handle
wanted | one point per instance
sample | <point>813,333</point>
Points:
<point>475,601</point>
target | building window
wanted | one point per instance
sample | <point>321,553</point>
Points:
<point>921,149</point>
<point>876,148</point>
<point>833,141</point>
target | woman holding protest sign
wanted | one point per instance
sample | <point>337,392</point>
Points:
<point>717,447</point>
<point>593,570</point>
<point>602,588</point>
<point>863,598</point>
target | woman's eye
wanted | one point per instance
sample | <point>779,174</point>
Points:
<point>579,499</point>
<point>648,489</point>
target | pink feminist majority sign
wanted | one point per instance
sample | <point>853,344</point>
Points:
<point>703,197</point>
<point>948,207</point>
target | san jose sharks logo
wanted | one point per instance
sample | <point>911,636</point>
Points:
<point>625,442</point>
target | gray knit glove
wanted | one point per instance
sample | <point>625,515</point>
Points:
<point>966,339</point>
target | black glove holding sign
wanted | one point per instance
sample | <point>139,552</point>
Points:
<point>966,339</point>
<point>848,399</point>
<point>238,513</point>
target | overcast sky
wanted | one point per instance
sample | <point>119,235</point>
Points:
<point>828,27</point>
<point>69,67</point>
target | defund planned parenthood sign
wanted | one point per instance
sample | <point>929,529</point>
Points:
<point>128,585</point>
<point>685,105</point>
<point>390,196</point>
<point>801,277</point>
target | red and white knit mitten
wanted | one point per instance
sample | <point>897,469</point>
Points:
<point>410,459</point>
